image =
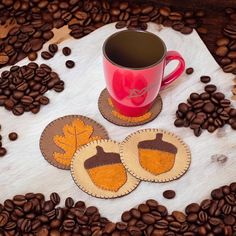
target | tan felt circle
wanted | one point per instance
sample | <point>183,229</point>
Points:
<point>82,178</point>
<point>129,155</point>
<point>47,145</point>
<point>106,111</point>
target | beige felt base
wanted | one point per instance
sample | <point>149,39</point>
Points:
<point>47,145</point>
<point>82,178</point>
<point>130,158</point>
<point>106,110</point>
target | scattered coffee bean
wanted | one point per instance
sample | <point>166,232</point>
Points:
<point>120,24</point>
<point>46,55</point>
<point>66,51</point>
<point>189,71</point>
<point>53,48</point>
<point>13,136</point>
<point>205,79</point>
<point>169,194</point>
<point>3,151</point>
<point>70,64</point>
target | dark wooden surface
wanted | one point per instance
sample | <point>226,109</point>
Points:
<point>214,20</point>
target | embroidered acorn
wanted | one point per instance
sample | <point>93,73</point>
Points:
<point>106,170</point>
<point>157,156</point>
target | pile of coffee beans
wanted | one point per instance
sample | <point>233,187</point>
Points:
<point>22,88</point>
<point>32,214</point>
<point>226,45</point>
<point>208,110</point>
<point>36,19</point>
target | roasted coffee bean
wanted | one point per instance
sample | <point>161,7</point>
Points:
<point>46,55</point>
<point>55,198</point>
<point>179,216</point>
<point>153,204</point>
<point>9,104</point>
<point>194,96</point>
<point>4,216</point>
<point>197,131</point>
<point>183,107</point>
<point>69,202</point>
<point>221,51</point>
<point>209,107</point>
<point>120,24</point>
<point>143,208</point>
<point>70,64</point>
<point>186,30</point>
<point>9,205</point>
<point>205,79</point>
<point>169,194</point>
<point>66,51</point>
<point>189,71</point>
<point>53,48</point>
<point>48,35</point>
<point>165,11</point>
<point>225,61</point>
<point>222,42</point>
<point>109,228</point>
<point>211,88</point>
<point>135,213</point>
<point>126,216</point>
<point>192,208</point>
<point>3,58</point>
<point>179,123</point>
<point>13,136</point>
<point>229,220</point>
<point>225,103</point>
<point>36,44</point>
<point>205,96</point>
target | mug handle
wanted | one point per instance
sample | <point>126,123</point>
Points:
<point>173,55</point>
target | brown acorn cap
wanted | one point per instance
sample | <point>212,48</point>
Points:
<point>102,158</point>
<point>158,144</point>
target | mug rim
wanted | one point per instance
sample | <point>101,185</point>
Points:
<point>134,68</point>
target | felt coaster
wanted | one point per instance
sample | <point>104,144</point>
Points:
<point>97,169</point>
<point>63,136</point>
<point>109,113</point>
<point>155,155</point>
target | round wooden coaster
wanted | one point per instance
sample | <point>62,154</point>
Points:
<point>109,113</point>
<point>53,151</point>
<point>130,155</point>
<point>81,175</point>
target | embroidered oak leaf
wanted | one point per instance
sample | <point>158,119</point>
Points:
<point>75,135</point>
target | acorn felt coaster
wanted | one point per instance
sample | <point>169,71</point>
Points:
<point>155,155</point>
<point>109,112</point>
<point>97,169</point>
<point>63,136</point>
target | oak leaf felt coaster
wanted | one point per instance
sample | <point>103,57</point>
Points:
<point>109,113</point>
<point>155,155</point>
<point>63,136</point>
<point>97,169</point>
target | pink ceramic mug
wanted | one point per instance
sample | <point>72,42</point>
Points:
<point>134,63</point>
